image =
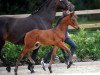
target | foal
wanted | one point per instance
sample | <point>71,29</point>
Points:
<point>54,36</point>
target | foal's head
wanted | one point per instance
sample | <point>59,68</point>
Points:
<point>71,20</point>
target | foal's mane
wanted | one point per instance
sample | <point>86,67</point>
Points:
<point>46,3</point>
<point>59,20</point>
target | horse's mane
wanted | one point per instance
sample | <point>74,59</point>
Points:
<point>40,7</point>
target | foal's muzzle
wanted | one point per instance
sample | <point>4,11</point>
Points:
<point>78,28</point>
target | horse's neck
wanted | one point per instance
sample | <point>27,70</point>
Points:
<point>47,7</point>
<point>48,11</point>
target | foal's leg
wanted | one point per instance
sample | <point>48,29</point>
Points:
<point>67,50</point>
<point>21,55</point>
<point>32,61</point>
<point>52,58</point>
<point>34,54</point>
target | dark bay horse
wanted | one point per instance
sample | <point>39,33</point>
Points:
<point>54,37</point>
<point>14,29</point>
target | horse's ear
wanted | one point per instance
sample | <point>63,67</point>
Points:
<point>71,14</point>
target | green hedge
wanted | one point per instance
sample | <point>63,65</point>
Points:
<point>88,44</point>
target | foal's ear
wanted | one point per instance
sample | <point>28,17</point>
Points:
<point>72,14</point>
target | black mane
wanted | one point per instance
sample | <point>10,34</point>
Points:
<point>40,7</point>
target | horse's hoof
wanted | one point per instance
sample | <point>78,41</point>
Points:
<point>15,70</point>
<point>15,73</point>
<point>32,71</point>
<point>50,69</point>
<point>8,69</point>
<point>69,65</point>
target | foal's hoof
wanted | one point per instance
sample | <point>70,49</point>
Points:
<point>15,71</point>
<point>50,69</point>
<point>32,71</point>
<point>69,65</point>
<point>8,69</point>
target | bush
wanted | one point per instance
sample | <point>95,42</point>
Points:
<point>88,46</point>
<point>10,52</point>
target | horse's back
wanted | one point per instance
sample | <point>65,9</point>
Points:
<point>18,27</point>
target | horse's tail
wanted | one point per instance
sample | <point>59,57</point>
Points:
<point>1,29</point>
<point>1,35</point>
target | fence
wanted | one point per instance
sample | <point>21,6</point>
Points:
<point>81,12</point>
<point>97,25</point>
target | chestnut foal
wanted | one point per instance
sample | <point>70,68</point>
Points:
<point>54,36</point>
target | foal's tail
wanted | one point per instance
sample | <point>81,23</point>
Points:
<point>37,45</point>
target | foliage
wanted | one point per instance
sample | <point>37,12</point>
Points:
<point>10,52</point>
<point>28,6</point>
<point>86,4</point>
<point>19,6</point>
<point>88,45</point>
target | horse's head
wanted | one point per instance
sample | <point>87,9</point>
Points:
<point>72,21</point>
<point>66,5</point>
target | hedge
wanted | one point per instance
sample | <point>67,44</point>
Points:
<point>88,45</point>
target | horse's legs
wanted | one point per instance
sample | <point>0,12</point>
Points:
<point>7,64</point>
<point>52,58</point>
<point>67,50</point>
